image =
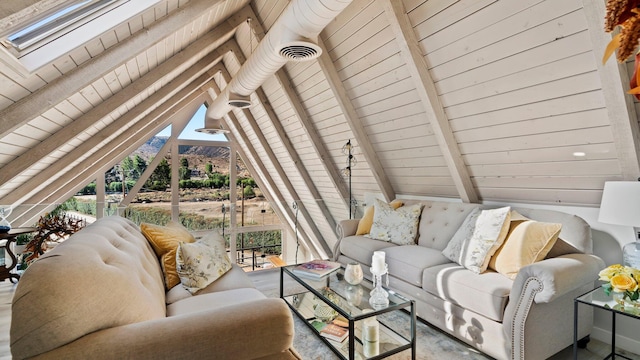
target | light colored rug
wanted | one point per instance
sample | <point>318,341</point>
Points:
<point>431,343</point>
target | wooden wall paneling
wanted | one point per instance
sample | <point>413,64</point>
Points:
<point>315,140</point>
<point>539,196</point>
<point>355,123</point>
<point>94,47</point>
<point>565,153</point>
<point>567,168</point>
<point>589,182</point>
<point>12,90</point>
<point>135,24</point>
<point>64,186</point>
<point>106,107</point>
<point>109,39</point>
<point>448,16</point>
<point>564,26</point>
<point>349,20</point>
<point>614,78</point>
<point>369,37</point>
<point>102,89</point>
<point>155,102</point>
<point>53,93</point>
<point>418,67</point>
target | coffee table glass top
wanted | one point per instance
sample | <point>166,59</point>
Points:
<point>598,298</point>
<point>308,298</point>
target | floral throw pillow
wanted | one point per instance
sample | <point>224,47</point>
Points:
<point>478,238</point>
<point>203,262</point>
<point>399,226</point>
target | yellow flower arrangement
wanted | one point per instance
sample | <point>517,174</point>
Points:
<point>621,279</point>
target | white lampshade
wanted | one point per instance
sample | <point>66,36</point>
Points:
<point>620,203</point>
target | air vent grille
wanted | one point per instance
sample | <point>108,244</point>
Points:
<point>300,51</point>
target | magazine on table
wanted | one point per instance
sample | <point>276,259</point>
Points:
<point>316,269</point>
<point>331,331</point>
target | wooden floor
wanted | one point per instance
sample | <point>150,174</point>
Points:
<point>264,280</point>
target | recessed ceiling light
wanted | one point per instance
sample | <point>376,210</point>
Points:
<point>579,154</point>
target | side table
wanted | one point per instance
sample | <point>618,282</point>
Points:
<point>11,236</point>
<point>598,299</point>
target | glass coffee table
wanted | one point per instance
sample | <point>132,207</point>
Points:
<point>331,299</point>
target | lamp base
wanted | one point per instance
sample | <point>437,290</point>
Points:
<point>631,255</point>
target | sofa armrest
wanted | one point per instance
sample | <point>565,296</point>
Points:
<point>243,331</point>
<point>344,228</point>
<point>559,275</point>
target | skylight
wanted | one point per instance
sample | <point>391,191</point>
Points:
<point>38,41</point>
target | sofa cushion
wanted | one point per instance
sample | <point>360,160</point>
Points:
<point>361,248</point>
<point>486,294</point>
<point>399,226</point>
<point>478,238</point>
<point>165,240</point>
<point>203,262</point>
<point>217,300</point>
<point>439,221</point>
<point>528,242</point>
<point>407,262</point>
<point>364,225</point>
<point>103,276</point>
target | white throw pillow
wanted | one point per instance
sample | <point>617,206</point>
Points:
<point>399,226</point>
<point>203,262</point>
<point>478,238</point>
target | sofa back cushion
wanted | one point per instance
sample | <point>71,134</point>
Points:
<point>575,236</point>
<point>439,221</point>
<point>104,276</point>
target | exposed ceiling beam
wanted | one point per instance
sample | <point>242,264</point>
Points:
<point>63,87</point>
<point>615,83</point>
<point>157,158</point>
<point>350,114</point>
<point>307,125</point>
<point>263,175</point>
<point>109,155</point>
<point>277,209</point>
<point>155,119</point>
<point>284,138</point>
<point>96,114</point>
<point>281,173</point>
<point>419,70</point>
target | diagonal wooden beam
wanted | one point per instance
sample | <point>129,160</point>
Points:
<point>158,101</point>
<point>614,77</point>
<point>34,188</point>
<point>63,87</point>
<point>281,173</point>
<point>419,70</point>
<point>265,178</point>
<point>350,114</point>
<point>234,50</point>
<point>63,188</point>
<point>69,132</point>
<point>164,150</point>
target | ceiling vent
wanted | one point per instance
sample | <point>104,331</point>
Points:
<point>239,101</point>
<point>300,51</point>
<point>212,127</point>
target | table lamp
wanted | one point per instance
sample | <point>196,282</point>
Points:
<point>620,205</point>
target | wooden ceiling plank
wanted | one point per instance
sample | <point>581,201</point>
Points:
<point>281,173</point>
<point>28,158</point>
<point>418,67</point>
<point>63,188</point>
<point>350,114</point>
<point>30,107</point>
<point>160,104</point>
<point>615,83</point>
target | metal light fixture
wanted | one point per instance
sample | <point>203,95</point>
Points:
<point>347,149</point>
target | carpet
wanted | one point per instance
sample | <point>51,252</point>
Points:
<point>431,343</point>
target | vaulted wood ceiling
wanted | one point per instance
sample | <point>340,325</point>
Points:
<point>480,100</point>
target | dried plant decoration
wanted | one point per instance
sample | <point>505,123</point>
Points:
<point>626,14</point>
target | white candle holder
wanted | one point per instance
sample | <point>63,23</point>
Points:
<point>379,298</point>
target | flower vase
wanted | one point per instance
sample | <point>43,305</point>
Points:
<point>624,302</point>
<point>353,273</point>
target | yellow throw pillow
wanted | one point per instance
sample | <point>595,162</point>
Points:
<point>165,241</point>
<point>364,225</point>
<point>528,241</point>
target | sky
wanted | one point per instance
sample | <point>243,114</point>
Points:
<point>196,122</point>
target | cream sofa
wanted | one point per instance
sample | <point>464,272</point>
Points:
<point>100,295</point>
<point>530,317</point>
